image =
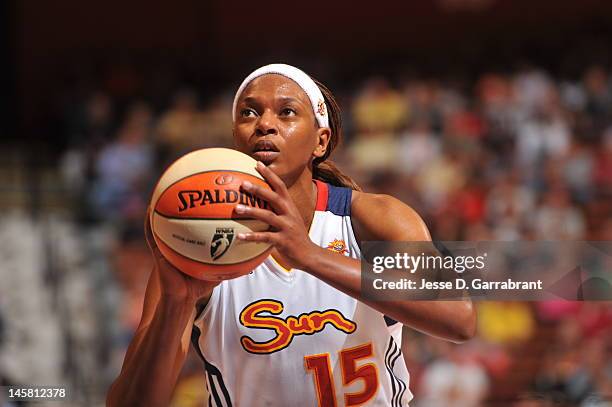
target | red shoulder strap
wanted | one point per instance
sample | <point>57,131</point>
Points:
<point>322,193</point>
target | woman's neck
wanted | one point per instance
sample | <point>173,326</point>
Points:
<point>303,192</point>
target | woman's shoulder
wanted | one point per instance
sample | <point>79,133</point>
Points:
<point>384,217</point>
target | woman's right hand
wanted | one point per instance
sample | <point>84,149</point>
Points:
<point>171,281</point>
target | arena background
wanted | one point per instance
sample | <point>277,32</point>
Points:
<point>492,118</point>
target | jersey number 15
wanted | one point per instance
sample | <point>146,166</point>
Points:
<point>320,366</point>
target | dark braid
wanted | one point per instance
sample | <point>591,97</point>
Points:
<point>324,169</point>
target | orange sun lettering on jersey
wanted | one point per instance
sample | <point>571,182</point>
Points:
<point>285,329</point>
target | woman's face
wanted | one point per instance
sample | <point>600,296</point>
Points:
<point>275,124</point>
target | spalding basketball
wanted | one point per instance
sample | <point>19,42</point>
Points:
<point>193,219</point>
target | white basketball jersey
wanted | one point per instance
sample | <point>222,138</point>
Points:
<point>284,338</point>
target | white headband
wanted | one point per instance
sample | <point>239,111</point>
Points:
<point>302,79</point>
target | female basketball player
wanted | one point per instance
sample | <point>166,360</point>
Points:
<point>295,331</point>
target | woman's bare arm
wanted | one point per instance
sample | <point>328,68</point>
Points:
<point>158,350</point>
<point>155,356</point>
<point>380,217</point>
<point>376,217</point>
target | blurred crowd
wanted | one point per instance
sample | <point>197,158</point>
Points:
<point>504,156</point>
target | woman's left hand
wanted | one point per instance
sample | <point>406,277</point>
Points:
<point>288,233</point>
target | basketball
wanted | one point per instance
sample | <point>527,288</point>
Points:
<point>193,219</point>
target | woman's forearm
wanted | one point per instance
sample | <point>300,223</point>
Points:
<point>155,357</point>
<point>450,320</point>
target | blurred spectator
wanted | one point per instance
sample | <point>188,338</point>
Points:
<point>427,102</point>
<point>578,169</point>
<point>532,89</point>
<point>508,206</point>
<point>369,155</point>
<point>543,134</point>
<point>577,373</point>
<point>217,118</point>
<point>123,168</point>
<point>440,178</point>
<point>379,109</point>
<point>557,218</point>
<point>93,122</point>
<point>599,92</point>
<point>557,310</point>
<point>454,379</point>
<point>505,322</point>
<point>603,169</point>
<point>498,107</point>
<point>90,126</point>
<point>182,127</point>
<point>417,147</point>
<point>191,390</point>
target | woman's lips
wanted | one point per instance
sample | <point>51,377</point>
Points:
<point>266,157</point>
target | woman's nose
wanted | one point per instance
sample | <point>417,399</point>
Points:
<point>267,123</point>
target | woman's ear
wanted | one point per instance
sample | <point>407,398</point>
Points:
<point>323,137</point>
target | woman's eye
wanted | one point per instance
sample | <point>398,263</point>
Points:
<point>288,112</point>
<point>247,113</point>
